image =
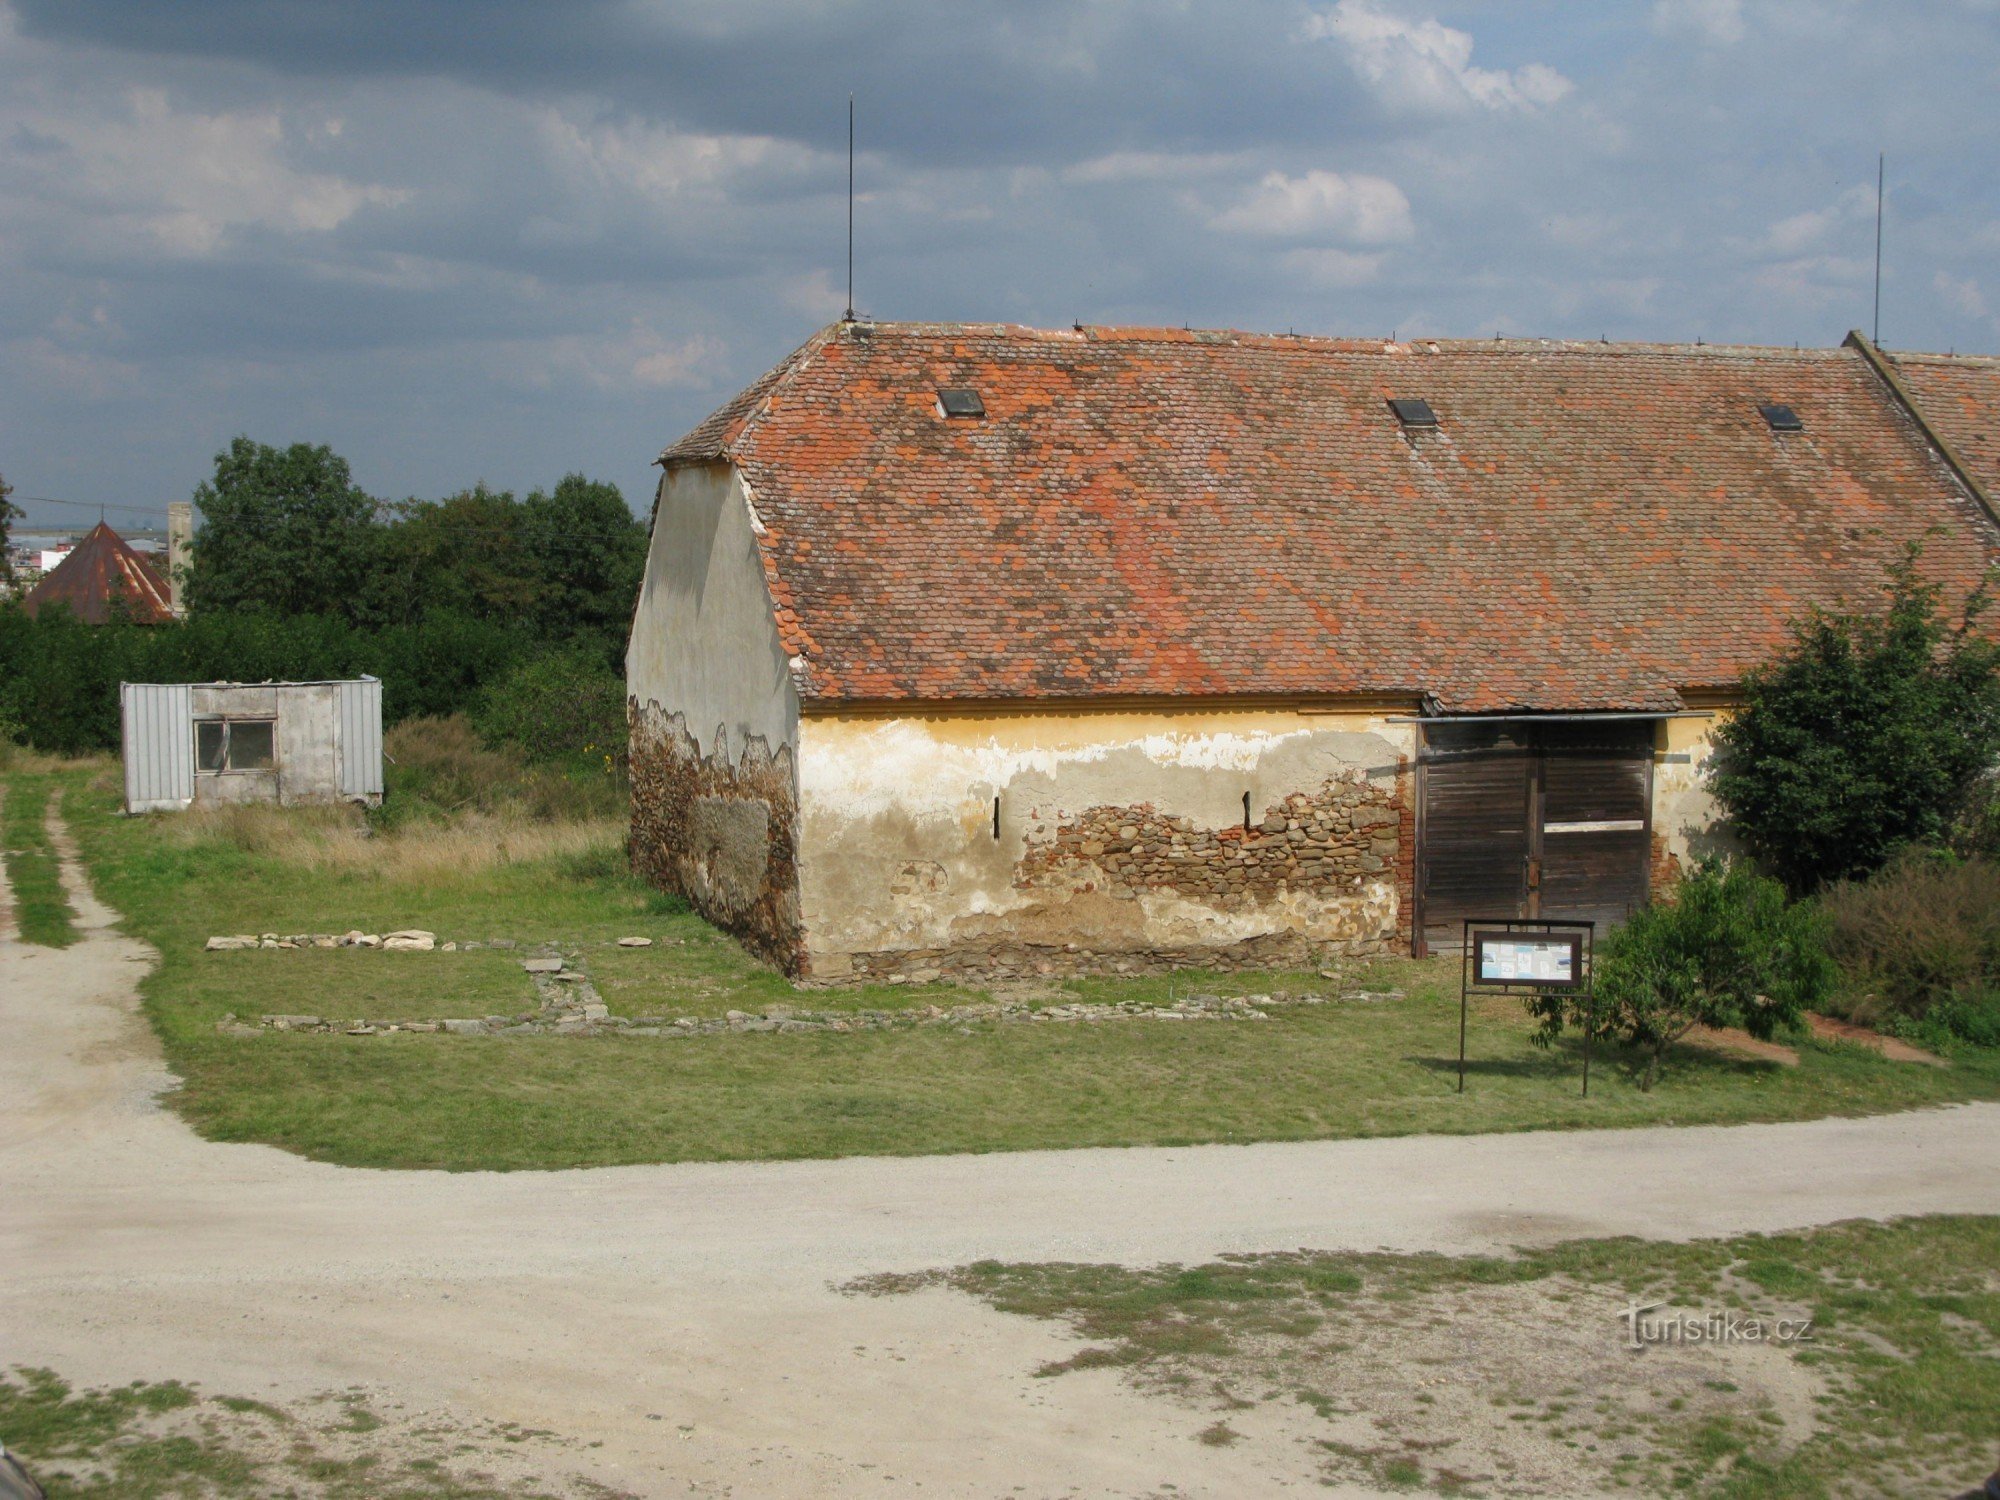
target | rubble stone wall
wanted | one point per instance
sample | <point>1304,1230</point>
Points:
<point>719,831</point>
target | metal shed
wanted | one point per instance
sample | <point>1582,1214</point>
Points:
<point>205,744</point>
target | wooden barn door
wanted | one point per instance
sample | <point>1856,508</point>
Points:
<point>1478,816</point>
<point>1596,820</point>
<point>1526,819</point>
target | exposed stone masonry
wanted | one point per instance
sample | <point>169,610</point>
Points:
<point>1340,845</point>
<point>721,834</point>
<point>1327,843</point>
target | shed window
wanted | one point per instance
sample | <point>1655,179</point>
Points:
<point>235,745</point>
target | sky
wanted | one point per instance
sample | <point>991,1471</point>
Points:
<point>509,240</point>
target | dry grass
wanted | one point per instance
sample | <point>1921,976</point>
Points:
<point>341,841</point>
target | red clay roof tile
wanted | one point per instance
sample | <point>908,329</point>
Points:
<point>1174,512</point>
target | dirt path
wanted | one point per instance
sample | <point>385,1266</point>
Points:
<point>682,1317</point>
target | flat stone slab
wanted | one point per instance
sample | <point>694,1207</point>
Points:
<point>635,942</point>
<point>542,965</point>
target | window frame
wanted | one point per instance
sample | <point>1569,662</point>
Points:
<point>227,721</point>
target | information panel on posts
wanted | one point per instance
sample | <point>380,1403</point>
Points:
<point>1546,960</point>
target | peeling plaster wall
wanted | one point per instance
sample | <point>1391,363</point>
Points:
<point>714,719</point>
<point>1688,822</point>
<point>900,869</point>
<point>306,740</point>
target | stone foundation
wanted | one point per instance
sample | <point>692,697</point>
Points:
<point>719,831</point>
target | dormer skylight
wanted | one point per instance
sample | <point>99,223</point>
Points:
<point>961,401</point>
<point>1413,411</point>
<point>1782,418</point>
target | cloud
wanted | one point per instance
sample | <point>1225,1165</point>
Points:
<point>1334,268</point>
<point>1426,66</point>
<point>1361,209</point>
<point>186,180</point>
<point>1150,166</point>
<point>1795,234</point>
<point>1961,294</point>
<point>555,240</point>
<point>1717,23</point>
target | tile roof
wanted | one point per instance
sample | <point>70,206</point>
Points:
<point>1960,395</point>
<point>100,567</point>
<point>1165,512</point>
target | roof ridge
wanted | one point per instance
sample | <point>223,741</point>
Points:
<point>864,329</point>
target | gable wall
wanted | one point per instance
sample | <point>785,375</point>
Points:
<point>714,719</point>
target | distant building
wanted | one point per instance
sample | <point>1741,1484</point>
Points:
<point>98,577</point>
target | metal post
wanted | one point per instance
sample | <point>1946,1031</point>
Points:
<point>1464,972</point>
<point>1589,1025</point>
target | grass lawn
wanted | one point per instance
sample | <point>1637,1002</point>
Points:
<point>41,911</point>
<point>1375,1068</point>
<point>1519,1375</point>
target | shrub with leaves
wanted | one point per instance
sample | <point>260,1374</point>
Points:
<point>1726,950</point>
<point>1919,945</point>
<point>565,705</point>
<point>1868,734</point>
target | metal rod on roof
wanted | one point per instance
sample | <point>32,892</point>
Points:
<point>1881,177</point>
<point>850,208</point>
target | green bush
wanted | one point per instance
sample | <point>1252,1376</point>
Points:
<point>561,706</point>
<point>1868,735</point>
<point>438,768</point>
<point>59,677</point>
<point>1727,949</point>
<point>1919,944</point>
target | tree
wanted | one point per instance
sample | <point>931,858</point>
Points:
<point>1867,734</point>
<point>465,554</point>
<point>591,551</point>
<point>8,515</point>
<point>1726,950</point>
<point>284,531</point>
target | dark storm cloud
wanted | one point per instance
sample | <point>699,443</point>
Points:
<point>941,84</point>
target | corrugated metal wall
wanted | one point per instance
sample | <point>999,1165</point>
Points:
<point>159,745</point>
<point>361,738</point>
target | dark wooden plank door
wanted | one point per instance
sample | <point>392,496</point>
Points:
<point>1550,820</point>
<point>1479,784</point>
<point>1596,820</point>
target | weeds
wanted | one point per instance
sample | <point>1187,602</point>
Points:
<point>1920,946</point>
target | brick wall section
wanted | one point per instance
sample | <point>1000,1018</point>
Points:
<point>1406,857</point>
<point>722,835</point>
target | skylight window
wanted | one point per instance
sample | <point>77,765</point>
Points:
<point>1782,418</point>
<point>1413,412</point>
<point>961,402</point>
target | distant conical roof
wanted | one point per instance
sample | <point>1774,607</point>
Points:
<point>100,568</point>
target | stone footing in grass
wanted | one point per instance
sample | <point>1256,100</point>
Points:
<point>1004,960</point>
<point>571,1008</point>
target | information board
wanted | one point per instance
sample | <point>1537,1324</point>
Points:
<point>1542,960</point>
